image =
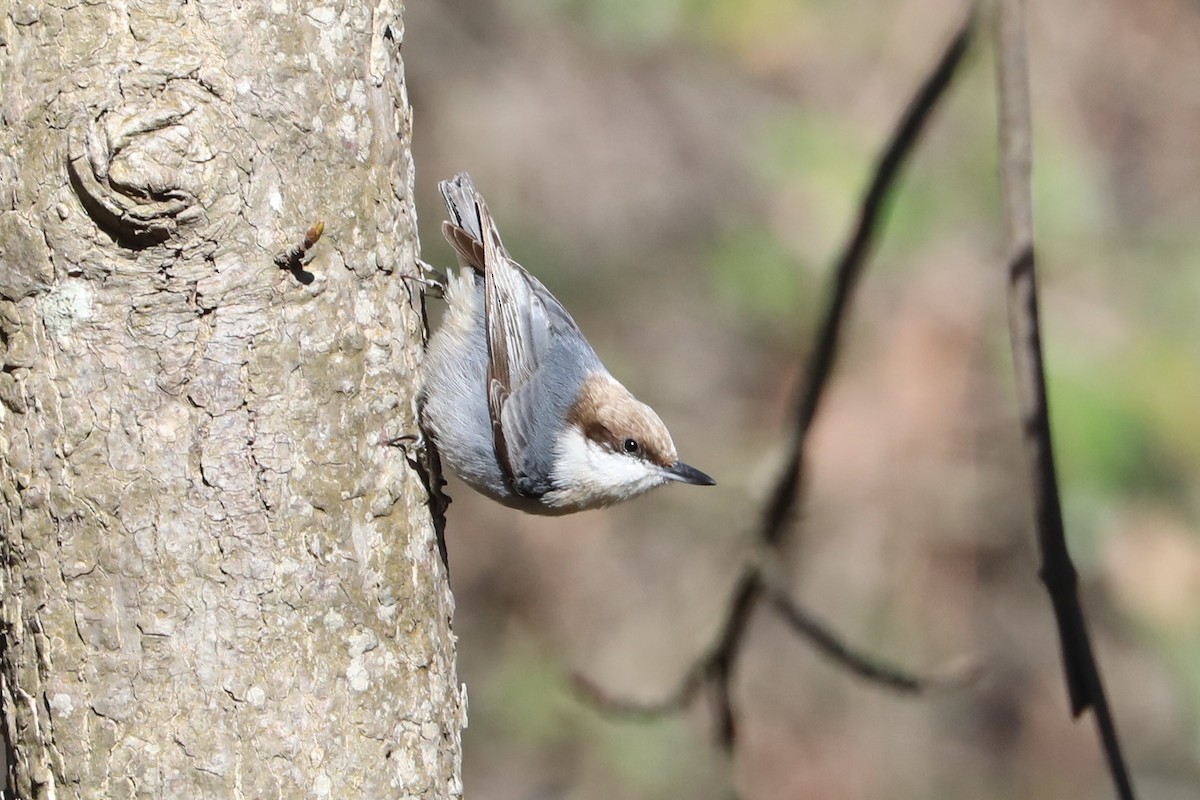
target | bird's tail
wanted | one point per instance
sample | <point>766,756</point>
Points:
<point>461,200</point>
<point>469,222</point>
<point>464,229</point>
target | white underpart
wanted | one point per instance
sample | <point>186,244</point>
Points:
<point>589,475</point>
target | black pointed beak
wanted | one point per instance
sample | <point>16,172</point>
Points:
<point>683,473</point>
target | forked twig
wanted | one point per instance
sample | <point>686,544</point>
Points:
<point>789,485</point>
<point>718,664</point>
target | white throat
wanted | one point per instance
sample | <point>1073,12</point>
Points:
<point>588,475</point>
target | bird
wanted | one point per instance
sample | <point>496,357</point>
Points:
<point>514,397</point>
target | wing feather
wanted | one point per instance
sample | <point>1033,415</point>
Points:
<point>521,319</point>
<point>513,333</point>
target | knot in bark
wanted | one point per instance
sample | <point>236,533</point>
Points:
<point>143,171</point>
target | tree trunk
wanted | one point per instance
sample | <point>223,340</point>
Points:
<point>216,581</point>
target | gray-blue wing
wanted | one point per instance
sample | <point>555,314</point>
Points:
<point>536,354</point>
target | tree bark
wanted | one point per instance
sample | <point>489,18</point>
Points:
<point>216,582</point>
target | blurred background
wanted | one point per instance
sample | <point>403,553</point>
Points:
<point>681,173</point>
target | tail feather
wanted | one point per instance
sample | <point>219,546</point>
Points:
<point>468,249</point>
<point>465,230</point>
<point>461,199</point>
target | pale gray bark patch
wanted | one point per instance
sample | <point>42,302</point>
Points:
<point>216,581</point>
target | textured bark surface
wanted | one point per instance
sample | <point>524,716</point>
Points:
<point>216,581</point>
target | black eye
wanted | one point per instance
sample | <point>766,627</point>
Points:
<point>630,445</point>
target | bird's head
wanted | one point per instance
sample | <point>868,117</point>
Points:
<point>613,448</point>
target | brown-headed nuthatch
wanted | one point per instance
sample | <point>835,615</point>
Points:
<point>514,397</point>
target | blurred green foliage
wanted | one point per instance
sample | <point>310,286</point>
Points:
<point>636,23</point>
<point>763,283</point>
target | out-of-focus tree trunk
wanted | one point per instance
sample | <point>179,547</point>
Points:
<point>216,582</point>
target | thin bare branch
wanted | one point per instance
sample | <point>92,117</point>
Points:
<point>788,487</point>
<point>864,665</point>
<point>717,667</point>
<point>1082,673</point>
<point>722,661</point>
<point>595,695</point>
<point>786,493</point>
